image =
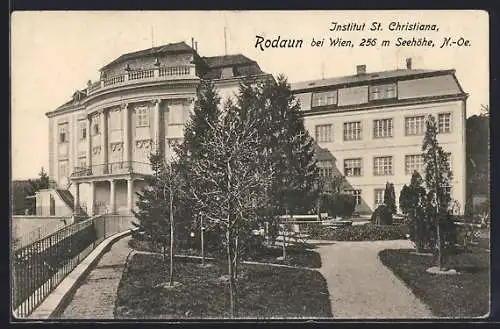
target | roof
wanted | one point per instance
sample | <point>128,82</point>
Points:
<point>227,60</point>
<point>240,64</point>
<point>366,77</point>
<point>323,154</point>
<point>168,48</point>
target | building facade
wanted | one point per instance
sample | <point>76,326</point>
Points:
<point>373,124</point>
<point>101,139</point>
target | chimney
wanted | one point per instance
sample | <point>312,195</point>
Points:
<point>196,46</point>
<point>360,69</point>
<point>192,42</point>
<point>408,63</point>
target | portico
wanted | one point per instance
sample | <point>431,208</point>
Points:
<point>108,195</point>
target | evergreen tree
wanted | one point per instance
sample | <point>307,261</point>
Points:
<point>43,181</point>
<point>206,114</point>
<point>390,197</point>
<point>478,156</point>
<point>437,179</point>
<point>158,203</point>
<point>412,203</point>
<point>285,142</point>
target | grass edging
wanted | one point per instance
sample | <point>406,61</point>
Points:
<point>465,295</point>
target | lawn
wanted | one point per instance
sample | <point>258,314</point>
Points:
<point>264,292</point>
<point>462,296</point>
<point>297,254</point>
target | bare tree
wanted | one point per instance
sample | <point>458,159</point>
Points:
<point>231,178</point>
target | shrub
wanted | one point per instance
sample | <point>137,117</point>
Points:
<point>382,215</point>
<point>367,232</point>
<point>338,205</point>
<point>345,204</point>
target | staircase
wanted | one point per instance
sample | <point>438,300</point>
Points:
<point>68,198</point>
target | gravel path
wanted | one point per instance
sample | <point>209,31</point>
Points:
<point>95,297</point>
<point>360,286</point>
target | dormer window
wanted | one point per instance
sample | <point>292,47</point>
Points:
<point>387,91</point>
<point>324,98</point>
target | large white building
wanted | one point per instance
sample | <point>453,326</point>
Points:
<point>100,139</point>
<point>371,127</point>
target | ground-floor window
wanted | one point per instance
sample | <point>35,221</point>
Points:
<point>356,194</point>
<point>379,196</point>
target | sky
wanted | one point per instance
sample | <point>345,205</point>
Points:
<point>55,53</point>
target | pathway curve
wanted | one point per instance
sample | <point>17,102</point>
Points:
<point>360,286</point>
<point>95,297</point>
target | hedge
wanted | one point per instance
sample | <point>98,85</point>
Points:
<point>367,232</point>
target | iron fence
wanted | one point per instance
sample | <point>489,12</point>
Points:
<point>20,239</point>
<point>39,267</point>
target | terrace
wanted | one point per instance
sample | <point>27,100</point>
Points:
<point>131,77</point>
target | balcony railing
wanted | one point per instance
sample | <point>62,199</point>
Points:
<point>113,168</point>
<point>135,76</point>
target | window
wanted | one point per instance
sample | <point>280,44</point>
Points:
<point>356,194</point>
<point>414,162</point>
<point>96,127</point>
<point>382,92</point>
<point>324,98</point>
<point>324,133</point>
<point>82,162</point>
<point>352,131</point>
<point>382,128</point>
<point>142,116</point>
<point>63,133</point>
<point>82,129</point>
<point>177,113</point>
<point>444,122</point>
<point>115,120</point>
<point>63,168</point>
<point>379,196</point>
<point>352,167</point>
<point>382,166</point>
<point>415,125</point>
<point>325,169</point>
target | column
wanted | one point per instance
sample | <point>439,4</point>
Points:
<point>91,202</point>
<point>104,140</point>
<point>130,188</point>
<point>126,134</point>
<point>89,142</point>
<point>112,195</point>
<point>156,122</point>
<point>76,208</point>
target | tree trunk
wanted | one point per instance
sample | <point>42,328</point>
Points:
<point>171,239</point>
<point>230,273</point>
<point>202,242</point>
<point>235,256</point>
<point>440,246</point>
<point>418,235</point>
<point>164,256</point>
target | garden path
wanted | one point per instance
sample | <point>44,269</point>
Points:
<point>95,297</point>
<point>360,286</point>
